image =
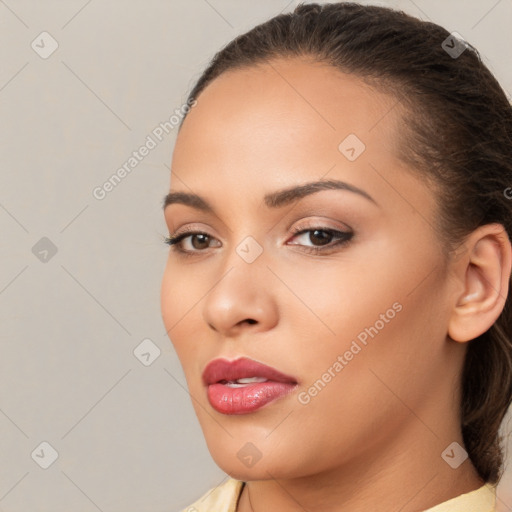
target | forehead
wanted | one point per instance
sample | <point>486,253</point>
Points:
<point>283,103</point>
<point>290,121</point>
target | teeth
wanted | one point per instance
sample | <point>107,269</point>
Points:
<point>243,382</point>
<point>248,380</point>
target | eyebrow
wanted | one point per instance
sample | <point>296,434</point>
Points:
<point>276,199</point>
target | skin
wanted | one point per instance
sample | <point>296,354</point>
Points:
<point>373,437</point>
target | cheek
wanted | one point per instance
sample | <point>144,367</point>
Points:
<point>360,324</point>
<point>334,301</point>
<point>179,297</point>
<point>348,407</point>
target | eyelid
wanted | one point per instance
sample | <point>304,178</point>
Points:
<point>309,223</point>
<point>319,222</point>
<point>191,228</point>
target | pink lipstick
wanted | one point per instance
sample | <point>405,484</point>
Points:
<point>244,385</point>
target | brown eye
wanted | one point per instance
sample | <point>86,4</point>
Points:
<point>202,241</point>
<point>196,242</point>
<point>320,237</point>
<point>317,239</point>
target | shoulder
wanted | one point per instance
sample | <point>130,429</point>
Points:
<point>479,500</point>
<point>223,498</point>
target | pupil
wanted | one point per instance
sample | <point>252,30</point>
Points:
<point>204,239</point>
<point>323,239</point>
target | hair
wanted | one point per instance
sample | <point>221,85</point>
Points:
<point>458,137</point>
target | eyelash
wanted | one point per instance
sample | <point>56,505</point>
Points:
<point>344,237</point>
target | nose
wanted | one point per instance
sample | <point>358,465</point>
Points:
<point>241,299</point>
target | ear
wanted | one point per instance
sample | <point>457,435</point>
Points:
<point>483,271</point>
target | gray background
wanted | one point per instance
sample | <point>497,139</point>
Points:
<point>126,434</point>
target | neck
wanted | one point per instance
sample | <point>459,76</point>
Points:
<point>406,473</point>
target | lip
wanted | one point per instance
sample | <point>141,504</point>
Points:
<point>247,398</point>
<point>222,369</point>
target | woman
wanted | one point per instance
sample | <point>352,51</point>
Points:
<point>336,290</point>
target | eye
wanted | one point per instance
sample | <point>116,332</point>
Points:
<point>322,238</point>
<point>198,241</point>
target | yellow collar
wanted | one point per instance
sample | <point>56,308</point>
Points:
<point>224,498</point>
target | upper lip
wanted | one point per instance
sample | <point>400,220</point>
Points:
<point>222,369</point>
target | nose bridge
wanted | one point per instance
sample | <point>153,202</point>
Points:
<point>243,268</point>
<point>246,241</point>
<point>240,292</point>
<point>249,250</point>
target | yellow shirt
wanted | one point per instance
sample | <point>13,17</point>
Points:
<point>224,498</point>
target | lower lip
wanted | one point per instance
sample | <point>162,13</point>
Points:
<point>246,399</point>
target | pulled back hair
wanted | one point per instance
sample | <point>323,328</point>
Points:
<point>457,136</point>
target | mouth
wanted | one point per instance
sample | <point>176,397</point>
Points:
<point>244,385</point>
<point>241,383</point>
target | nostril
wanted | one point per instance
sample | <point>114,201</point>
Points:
<point>251,321</point>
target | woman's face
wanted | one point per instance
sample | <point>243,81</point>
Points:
<point>360,324</point>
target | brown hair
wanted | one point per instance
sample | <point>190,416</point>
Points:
<point>459,136</point>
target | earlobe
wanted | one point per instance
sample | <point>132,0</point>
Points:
<point>484,270</point>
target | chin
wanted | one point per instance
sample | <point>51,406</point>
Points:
<point>259,471</point>
<point>246,463</point>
